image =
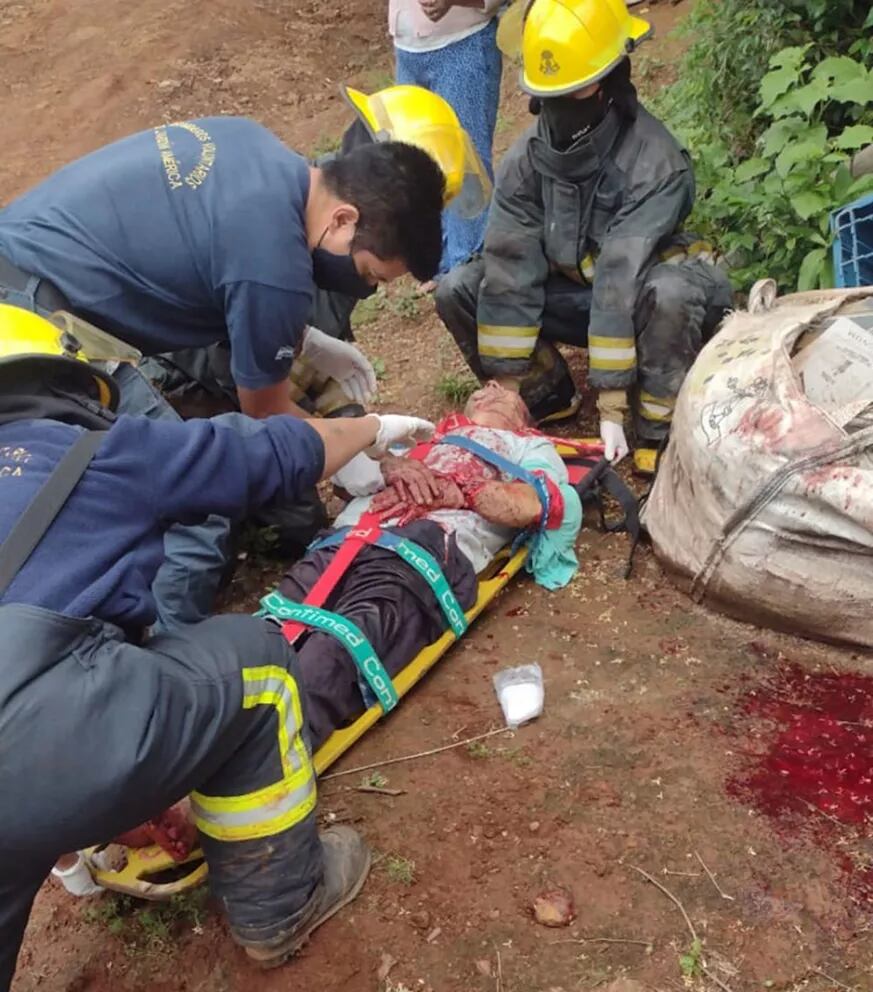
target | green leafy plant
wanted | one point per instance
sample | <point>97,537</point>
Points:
<point>691,963</point>
<point>375,780</point>
<point>770,211</point>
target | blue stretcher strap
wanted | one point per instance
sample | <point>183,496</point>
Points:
<point>347,633</point>
<point>422,561</point>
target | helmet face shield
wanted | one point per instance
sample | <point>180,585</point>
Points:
<point>476,187</point>
<point>418,117</point>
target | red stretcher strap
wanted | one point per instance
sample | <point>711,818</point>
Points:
<point>365,532</point>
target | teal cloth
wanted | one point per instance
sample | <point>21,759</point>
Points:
<point>552,561</point>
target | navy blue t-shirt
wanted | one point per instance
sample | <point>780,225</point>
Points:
<point>178,237</point>
<point>102,552</point>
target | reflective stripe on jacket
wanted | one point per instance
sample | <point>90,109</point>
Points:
<point>618,196</point>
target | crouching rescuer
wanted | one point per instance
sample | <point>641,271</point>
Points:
<point>584,243</point>
<point>101,727</point>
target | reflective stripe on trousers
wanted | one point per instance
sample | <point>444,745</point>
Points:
<point>283,804</point>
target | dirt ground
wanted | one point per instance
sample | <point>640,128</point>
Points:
<point>672,742</point>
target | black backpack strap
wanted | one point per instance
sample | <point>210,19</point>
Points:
<point>38,516</point>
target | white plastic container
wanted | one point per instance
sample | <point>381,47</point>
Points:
<point>521,693</point>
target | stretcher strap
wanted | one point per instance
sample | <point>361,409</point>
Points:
<point>416,557</point>
<point>347,633</point>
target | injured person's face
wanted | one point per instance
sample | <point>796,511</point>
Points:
<point>494,406</point>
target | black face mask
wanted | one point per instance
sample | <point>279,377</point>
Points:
<point>337,274</point>
<point>569,119</point>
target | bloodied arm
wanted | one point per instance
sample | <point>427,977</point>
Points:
<point>510,504</point>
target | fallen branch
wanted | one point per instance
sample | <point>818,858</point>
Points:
<point>379,790</point>
<point>718,888</point>
<point>671,897</point>
<point>688,923</point>
<point>413,757</point>
<point>830,978</point>
<point>606,940</point>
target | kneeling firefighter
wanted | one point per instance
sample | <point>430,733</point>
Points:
<point>584,243</point>
<point>101,727</point>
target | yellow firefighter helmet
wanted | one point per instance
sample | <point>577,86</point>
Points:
<point>569,44</point>
<point>419,117</point>
<point>27,338</point>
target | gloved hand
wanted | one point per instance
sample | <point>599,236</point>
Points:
<point>396,429</point>
<point>360,477</point>
<point>341,361</point>
<point>612,435</point>
<point>77,878</point>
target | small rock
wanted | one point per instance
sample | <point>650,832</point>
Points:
<point>169,84</point>
<point>533,826</point>
<point>420,920</point>
<point>484,967</point>
<point>385,967</point>
<point>554,908</point>
<point>494,914</point>
<point>434,934</point>
<point>489,831</point>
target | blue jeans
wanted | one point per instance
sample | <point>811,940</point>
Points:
<point>195,557</point>
<point>467,75</point>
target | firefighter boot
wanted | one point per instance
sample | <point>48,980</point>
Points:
<point>346,866</point>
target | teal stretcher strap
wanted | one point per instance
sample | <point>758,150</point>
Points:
<point>426,565</point>
<point>347,633</point>
<point>422,561</point>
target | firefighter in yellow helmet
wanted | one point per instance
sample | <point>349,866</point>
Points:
<point>584,243</point>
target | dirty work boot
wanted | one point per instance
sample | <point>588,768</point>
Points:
<point>346,866</point>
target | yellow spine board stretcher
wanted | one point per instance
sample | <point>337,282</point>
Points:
<point>150,872</point>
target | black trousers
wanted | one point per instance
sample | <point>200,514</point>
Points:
<point>99,735</point>
<point>677,311</point>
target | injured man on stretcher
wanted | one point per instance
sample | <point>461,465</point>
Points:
<point>486,478</point>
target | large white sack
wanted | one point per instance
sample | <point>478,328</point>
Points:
<point>763,504</point>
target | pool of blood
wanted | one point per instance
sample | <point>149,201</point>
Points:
<point>809,744</point>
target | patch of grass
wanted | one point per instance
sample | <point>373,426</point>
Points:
<point>456,389</point>
<point>151,926</point>
<point>503,124</point>
<point>366,311</point>
<point>379,368</point>
<point>405,303</point>
<point>479,750</point>
<point>517,755</point>
<point>375,780</point>
<point>690,963</point>
<point>325,144</point>
<point>400,870</point>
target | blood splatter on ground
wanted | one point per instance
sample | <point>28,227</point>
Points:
<point>810,762</point>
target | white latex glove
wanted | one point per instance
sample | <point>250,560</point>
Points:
<point>341,361</point>
<point>361,476</point>
<point>612,435</point>
<point>77,880</point>
<point>396,429</point>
